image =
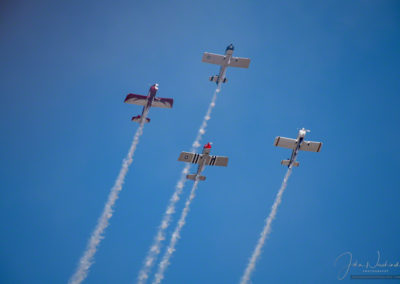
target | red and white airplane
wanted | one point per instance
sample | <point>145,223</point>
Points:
<point>203,159</point>
<point>148,101</point>
<point>225,61</point>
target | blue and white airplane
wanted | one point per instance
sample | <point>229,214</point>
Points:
<point>226,60</point>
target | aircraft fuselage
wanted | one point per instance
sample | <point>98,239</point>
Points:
<point>227,60</point>
<point>200,168</point>
<point>299,140</point>
<point>150,98</point>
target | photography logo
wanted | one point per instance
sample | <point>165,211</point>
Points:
<point>373,268</point>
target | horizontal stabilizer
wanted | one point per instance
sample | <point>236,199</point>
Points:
<point>193,177</point>
<point>215,79</point>
<point>286,163</point>
<point>138,118</point>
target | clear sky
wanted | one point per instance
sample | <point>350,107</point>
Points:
<point>330,66</point>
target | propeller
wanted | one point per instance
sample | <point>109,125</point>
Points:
<point>306,130</point>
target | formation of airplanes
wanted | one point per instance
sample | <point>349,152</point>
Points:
<point>205,159</point>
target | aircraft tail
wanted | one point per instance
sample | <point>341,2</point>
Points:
<point>215,79</point>
<point>138,118</point>
<point>286,163</point>
<point>193,177</point>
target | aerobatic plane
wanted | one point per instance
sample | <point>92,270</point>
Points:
<point>226,60</point>
<point>203,159</point>
<point>148,101</point>
<point>296,145</point>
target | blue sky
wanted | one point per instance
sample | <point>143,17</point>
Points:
<point>65,69</point>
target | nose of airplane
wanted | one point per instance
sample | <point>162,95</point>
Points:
<point>208,145</point>
<point>230,47</point>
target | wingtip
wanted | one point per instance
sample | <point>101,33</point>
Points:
<point>128,96</point>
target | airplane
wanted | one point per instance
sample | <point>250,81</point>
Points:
<point>296,145</point>
<point>225,61</point>
<point>203,159</point>
<point>148,101</point>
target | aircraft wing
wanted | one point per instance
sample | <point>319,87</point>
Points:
<point>136,99</point>
<point>190,157</point>
<point>162,102</point>
<point>217,161</point>
<point>239,62</point>
<point>285,142</point>
<point>311,146</point>
<point>213,58</point>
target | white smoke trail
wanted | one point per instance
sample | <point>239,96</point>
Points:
<point>165,222</point>
<point>97,235</point>
<point>266,231</point>
<point>175,236</point>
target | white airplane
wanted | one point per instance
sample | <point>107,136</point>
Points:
<point>225,61</point>
<point>296,145</point>
<point>203,159</point>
